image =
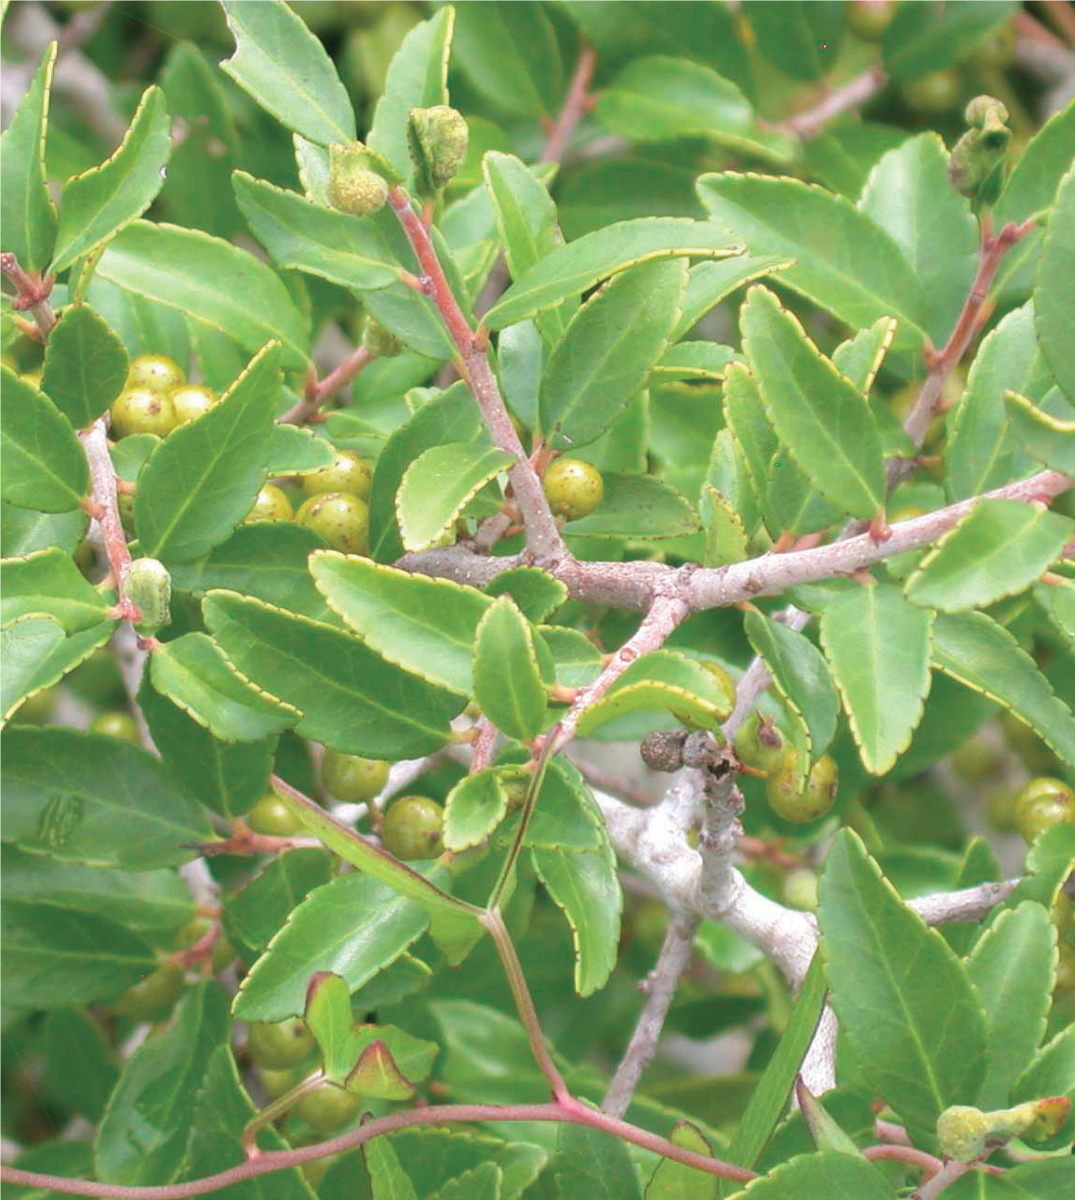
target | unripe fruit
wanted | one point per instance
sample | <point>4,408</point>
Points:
<point>157,372</point>
<point>315,1172</point>
<point>272,817</point>
<point>276,1083</point>
<point>117,724</point>
<point>870,18</point>
<point>142,410</point>
<point>271,505</point>
<point>149,585</point>
<point>934,93</point>
<point>192,400</point>
<point>413,828</point>
<point>760,744</point>
<point>279,1046</point>
<point>814,801</point>
<point>574,488</point>
<point>125,508</point>
<point>975,761</point>
<point>800,889</point>
<point>342,520</point>
<point>329,1108</point>
<point>152,998</point>
<point>350,474</point>
<point>1041,804</point>
<point>1000,811</point>
<point>351,777</point>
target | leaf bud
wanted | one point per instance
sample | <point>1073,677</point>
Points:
<point>379,341</point>
<point>437,138</point>
<point>149,585</point>
<point>353,186</point>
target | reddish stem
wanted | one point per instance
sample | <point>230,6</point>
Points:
<point>318,392</point>
<point>575,104</point>
<point>908,1154</point>
<point>852,95</point>
<point>33,293</point>
<point>103,482</point>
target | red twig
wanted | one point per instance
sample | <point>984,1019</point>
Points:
<point>33,293</point>
<point>317,392</point>
<point>853,94</point>
<point>574,106</point>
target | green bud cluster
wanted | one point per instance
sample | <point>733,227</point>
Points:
<point>354,183</point>
<point>437,138</point>
<point>976,167</point>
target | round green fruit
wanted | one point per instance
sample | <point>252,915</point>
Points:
<point>192,400</point>
<point>157,372</point>
<point>279,1047</point>
<point>350,474</point>
<point>413,828</point>
<point>142,410</point>
<point>934,93</point>
<point>1000,811</point>
<point>152,998</point>
<point>351,777</point>
<point>342,520</point>
<point>800,889</point>
<point>276,1083</point>
<point>315,1172</point>
<point>814,801</point>
<point>975,761</point>
<point>870,18</point>
<point>329,1108</point>
<point>1041,804</point>
<point>271,505</point>
<point>125,508</point>
<point>272,817</point>
<point>573,488</point>
<point>760,744</point>
<point>117,724</point>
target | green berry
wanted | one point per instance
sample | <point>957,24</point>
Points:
<point>574,488</point>
<point>142,410</point>
<point>351,777</point>
<point>760,744</point>
<point>975,761</point>
<point>413,828</point>
<point>278,1047</point>
<point>272,817</point>
<point>157,372</point>
<point>117,724</point>
<point>329,1108</point>
<point>314,1172</point>
<point>343,521</point>
<point>800,889</point>
<point>152,998</point>
<point>149,585</point>
<point>192,400</point>
<point>1041,804</point>
<point>271,505</point>
<point>350,474</point>
<point>934,93</point>
<point>1000,811</point>
<point>870,18</point>
<point>125,508</point>
<point>276,1083</point>
<point>814,801</point>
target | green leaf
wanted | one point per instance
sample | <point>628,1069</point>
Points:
<point>878,647</point>
<point>253,915</point>
<point>576,660</point>
<point>297,451</point>
<point>473,809</point>
<point>974,649</point>
<point>266,560</point>
<point>336,246</point>
<point>85,365</point>
<point>693,360</point>
<point>821,416</point>
<point>437,1157</point>
<point>802,39</point>
<point>1045,436</point>
<point>387,1177</point>
<point>905,1003</point>
<point>753,436</point>
<point>79,1063</point>
<point>843,261</point>
<point>829,1173</point>
<point>193,673</point>
<point>920,40</point>
<point>351,699</point>
<point>41,462</point>
<point>230,778</point>
<point>712,282</point>
<point>27,213</point>
<point>22,531</point>
<point>910,197</point>
<point>607,351</point>
<point>354,926</point>
<point>589,1165</point>
<point>664,681</point>
<point>142,1137</point>
<point>980,454</point>
<point>92,799</point>
<point>451,416</point>
<point>726,538</point>
<point>860,357</point>
<point>998,549</point>
<point>41,667</point>
<point>576,267</point>
<point>208,280</point>
<point>507,680</point>
<point>770,1097</point>
<point>1012,968</point>
<point>1051,1073</point>
<point>657,99</point>
<point>53,956</point>
<point>825,1130</point>
<point>25,642</point>
<point>48,582</point>
<point>1031,187</point>
<point>676,1181</point>
<point>638,507</point>
<point>286,70</point>
<point>203,478</point>
<point>800,674</point>
<point>439,484</point>
<point>511,54</point>
<point>99,203</point>
<point>1054,291</point>
<point>426,625</point>
<point>417,78</point>
<point>791,502</point>
<point>535,592</point>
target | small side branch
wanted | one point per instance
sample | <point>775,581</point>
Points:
<point>852,95</point>
<point>319,392</point>
<point>574,106</point>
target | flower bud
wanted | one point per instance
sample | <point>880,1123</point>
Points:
<point>437,138</point>
<point>963,1132</point>
<point>379,341</point>
<point>976,167</point>
<point>353,187</point>
<point>149,585</point>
